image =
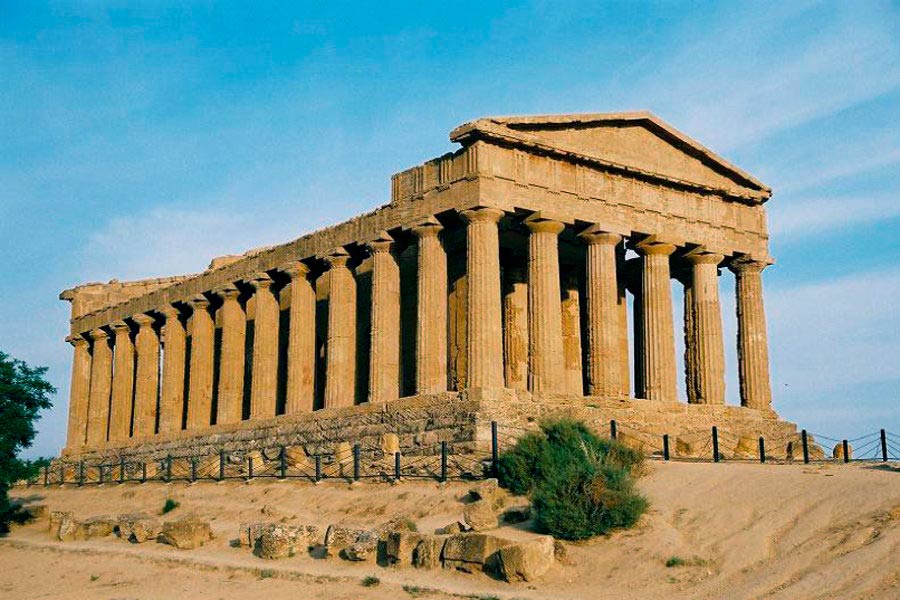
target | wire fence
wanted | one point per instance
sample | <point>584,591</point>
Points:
<point>444,461</point>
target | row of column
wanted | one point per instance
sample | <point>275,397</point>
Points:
<point>118,394</point>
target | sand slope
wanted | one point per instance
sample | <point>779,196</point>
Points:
<point>744,530</point>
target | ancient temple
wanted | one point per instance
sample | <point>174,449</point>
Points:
<point>530,270</point>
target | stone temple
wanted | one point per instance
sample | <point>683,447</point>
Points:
<point>529,272</point>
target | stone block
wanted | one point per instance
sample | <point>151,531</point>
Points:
<point>273,540</point>
<point>526,561</point>
<point>95,527</point>
<point>338,537</point>
<point>138,528</point>
<point>838,451</point>
<point>472,552</point>
<point>186,533</point>
<point>480,515</point>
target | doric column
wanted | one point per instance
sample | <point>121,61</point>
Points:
<point>659,338</point>
<point>431,326</point>
<point>573,375</point>
<point>78,392</point>
<point>709,379</point>
<point>301,354</point>
<point>515,328</point>
<point>545,343</point>
<point>230,396</point>
<point>264,378</point>
<point>200,380</point>
<point>146,380</point>
<point>604,321</point>
<point>484,335</point>
<point>633,284</point>
<point>686,278</point>
<point>622,303</point>
<point>123,383</point>
<point>384,357</point>
<point>101,383</point>
<point>171,400</point>
<point>753,346</point>
<point>340,359</point>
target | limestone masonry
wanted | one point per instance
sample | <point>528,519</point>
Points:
<point>506,280</point>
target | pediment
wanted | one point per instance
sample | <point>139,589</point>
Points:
<point>638,142</point>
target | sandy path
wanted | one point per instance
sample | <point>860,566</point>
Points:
<point>748,531</point>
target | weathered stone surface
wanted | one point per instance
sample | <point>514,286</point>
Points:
<point>838,451</point>
<point>56,517</point>
<point>95,527</point>
<point>526,561</point>
<point>364,548</point>
<point>399,547</point>
<point>338,537</point>
<point>67,527</point>
<point>472,552</point>
<point>480,515</point>
<point>186,533</point>
<point>138,528</point>
<point>427,554</point>
<point>452,528</point>
<point>489,490</point>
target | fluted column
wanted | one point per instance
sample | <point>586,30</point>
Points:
<point>384,357</point>
<point>686,278</point>
<point>78,392</point>
<point>431,326</point>
<point>340,359</point>
<point>123,383</point>
<point>200,380</point>
<point>171,401</point>
<point>659,375</point>
<point>101,383</point>
<point>753,346</point>
<point>301,355</point>
<point>709,380</point>
<point>622,303</point>
<point>633,284</point>
<point>146,380</point>
<point>604,373</point>
<point>230,396</point>
<point>264,378</point>
<point>545,342</point>
<point>515,328</point>
<point>484,347</point>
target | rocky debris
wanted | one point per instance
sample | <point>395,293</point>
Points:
<point>138,528</point>
<point>490,491</point>
<point>250,532</point>
<point>452,528</point>
<point>390,445</point>
<point>480,515</point>
<point>295,457</point>
<point>526,561</point>
<point>560,551</point>
<point>95,527</point>
<point>338,538</point>
<point>472,552</point>
<point>67,527</point>
<point>517,514</point>
<point>275,540</point>
<point>400,523</point>
<point>838,451</point>
<point>364,548</point>
<point>186,533</point>
<point>56,517</point>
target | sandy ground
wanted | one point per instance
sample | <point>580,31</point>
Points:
<point>744,530</point>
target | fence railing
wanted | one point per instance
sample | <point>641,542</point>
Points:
<point>444,460</point>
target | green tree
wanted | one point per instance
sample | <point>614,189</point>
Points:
<point>24,392</point>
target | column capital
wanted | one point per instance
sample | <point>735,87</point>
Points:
<point>198,302</point>
<point>652,247</point>
<point>594,235</point>
<point>381,244</point>
<point>227,291</point>
<point>295,270</point>
<point>98,334</point>
<point>482,214</point>
<point>429,228</point>
<point>77,340</point>
<point>259,281</point>
<point>704,258</point>
<point>745,264</point>
<point>338,258</point>
<point>538,224</point>
<point>169,312</point>
<point>143,320</point>
<point>120,327</point>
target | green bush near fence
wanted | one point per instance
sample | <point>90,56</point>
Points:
<point>580,485</point>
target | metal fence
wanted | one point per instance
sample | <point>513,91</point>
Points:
<point>445,461</point>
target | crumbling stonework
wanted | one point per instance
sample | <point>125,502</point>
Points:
<point>494,286</point>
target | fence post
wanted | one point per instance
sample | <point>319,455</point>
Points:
<point>762,449</point>
<point>397,466</point>
<point>884,454</point>
<point>121,470</point>
<point>318,468</point>
<point>100,474</point>
<point>805,439</point>
<point>282,463</point>
<point>613,429</point>
<point>443,462</point>
<point>193,469</point>
<point>46,475</point>
<point>249,467</point>
<point>168,468</point>
<point>666,446</point>
<point>80,473</point>
<point>144,472</point>
<point>495,451</point>
<point>356,461</point>
<point>715,443</point>
<point>846,446</point>
<point>221,465</point>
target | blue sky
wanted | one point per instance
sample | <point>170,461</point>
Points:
<point>249,124</point>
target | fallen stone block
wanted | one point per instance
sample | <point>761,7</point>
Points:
<point>337,538</point>
<point>427,555</point>
<point>480,515</point>
<point>95,527</point>
<point>138,528</point>
<point>274,540</point>
<point>56,518</point>
<point>186,533</point>
<point>68,527</point>
<point>489,490</point>
<point>526,561</point>
<point>364,548</point>
<point>472,552</point>
<point>452,528</point>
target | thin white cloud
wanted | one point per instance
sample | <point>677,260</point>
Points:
<point>818,215</point>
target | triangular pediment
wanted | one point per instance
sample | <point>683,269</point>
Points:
<point>638,142</point>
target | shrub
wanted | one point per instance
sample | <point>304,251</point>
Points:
<point>580,485</point>
<point>370,581</point>
<point>170,505</point>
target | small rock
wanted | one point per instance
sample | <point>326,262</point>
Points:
<point>480,515</point>
<point>452,529</point>
<point>138,528</point>
<point>838,451</point>
<point>526,561</point>
<point>560,551</point>
<point>186,533</point>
